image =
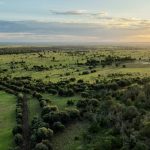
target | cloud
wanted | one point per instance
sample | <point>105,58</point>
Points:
<point>114,30</point>
<point>78,12</point>
<point>102,18</point>
<point>71,12</point>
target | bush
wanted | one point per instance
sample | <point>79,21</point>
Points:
<point>48,144</point>
<point>18,139</point>
<point>58,126</point>
<point>46,110</point>
<point>44,133</point>
<point>94,102</point>
<point>145,131</point>
<point>64,116</point>
<point>37,95</point>
<point>130,113</point>
<point>20,96</point>
<point>140,146</point>
<point>43,103</point>
<point>72,79</point>
<point>93,71</point>
<point>53,108</point>
<point>74,114</point>
<point>19,116</point>
<point>65,92</point>
<point>17,129</point>
<point>85,94</point>
<point>70,103</point>
<point>41,146</point>
<point>85,72</point>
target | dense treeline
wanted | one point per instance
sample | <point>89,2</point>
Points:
<point>18,129</point>
<point>31,49</point>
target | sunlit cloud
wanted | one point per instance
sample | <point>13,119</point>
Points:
<point>89,27</point>
<point>102,18</point>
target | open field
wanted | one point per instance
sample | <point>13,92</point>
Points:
<point>7,121</point>
<point>64,65</point>
<point>75,99</point>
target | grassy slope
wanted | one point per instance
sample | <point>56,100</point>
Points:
<point>7,119</point>
<point>66,141</point>
<point>34,108</point>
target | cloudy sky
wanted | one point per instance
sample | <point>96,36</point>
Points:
<point>74,21</point>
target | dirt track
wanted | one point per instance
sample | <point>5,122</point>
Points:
<point>26,128</point>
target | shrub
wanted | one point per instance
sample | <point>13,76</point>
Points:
<point>18,139</point>
<point>65,92</point>
<point>17,129</point>
<point>70,92</point>
<point>44,133</point>
<point>20,96</point>
<point>140,146</point>
<point>58,126</point>
<point>48,144</point>
<point>80,81</point>
<point>124,66</point>
<point>130,113</point>
<point>19,116</point>
<point>46,110</point>
<point>73,113</point>
<point>93,71</point>
<point>41,146</point>
<point>72,79</point>
<point>54,108</point>
<point>70,103</point>
<point>37,95</point>
<point>85,72</point>
<point>85,94</point>
<point>43,103</point>
<point>64,116</point>
<point>145,131</point>
<point>94,102</point>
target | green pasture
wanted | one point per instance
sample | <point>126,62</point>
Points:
<point>7,119</point>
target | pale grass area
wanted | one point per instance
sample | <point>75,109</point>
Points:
<point>66,140</point>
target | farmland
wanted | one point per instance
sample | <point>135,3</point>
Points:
<point>72,98</point>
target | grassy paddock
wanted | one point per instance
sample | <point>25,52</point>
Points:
<point>33,107</point>
<point>7,119</point>
<point>61,102</point>
<point>66,140</point>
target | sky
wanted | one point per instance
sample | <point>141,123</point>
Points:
<point>74,21</point>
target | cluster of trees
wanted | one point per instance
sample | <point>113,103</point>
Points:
<point>121,120</point>
<point>40,68</point>
<point>108,60</point>
<point>41,135</point>
<point>52,120</point>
